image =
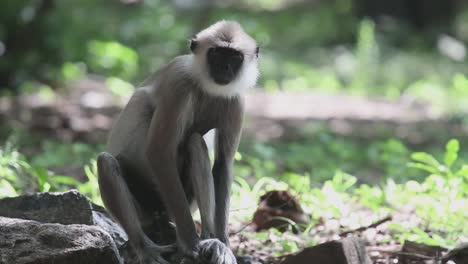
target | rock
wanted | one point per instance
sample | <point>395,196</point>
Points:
<point>457,255</point>
<point>246,260</point>
<point>417,252</point>
<point>25,241</point>
<point>65,208</point>
<point>102,219</point>
<point>348,251</point>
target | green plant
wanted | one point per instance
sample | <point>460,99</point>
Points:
<point>53,153</point>
<point>367,54</point>
<point>17,175</point>
<point>13,171</point>
<point>446,169</point>
<point>113,58</point>
<point>91,187</point>
<point>440,200</point>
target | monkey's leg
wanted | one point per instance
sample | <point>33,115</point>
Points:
<point>212,251</point>
<point>118,200</point>
<point>202,179</point>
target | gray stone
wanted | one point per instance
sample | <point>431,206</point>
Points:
<point>25,241</point>
<point>63,208</point>
<point>102,219</point>
<point>247,260</point>
<point>350,250</point>
<point>69,207</point>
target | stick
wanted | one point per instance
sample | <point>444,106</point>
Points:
<point>362,228</point>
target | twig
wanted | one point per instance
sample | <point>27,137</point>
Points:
<point>240,209</point>
<point>240,230</point>
<point>406,254</point>
<point>362,228</point>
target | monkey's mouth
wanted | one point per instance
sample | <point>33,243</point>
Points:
<point>222,81</point>
<point>222,75</point>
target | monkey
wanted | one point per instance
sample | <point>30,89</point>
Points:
<point>157,165</point>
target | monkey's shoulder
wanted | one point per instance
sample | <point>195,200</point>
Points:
<point>175,71</point>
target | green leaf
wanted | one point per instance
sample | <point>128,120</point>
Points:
<point>426,158</point>
<point>451,152</point>
<point>289,246</point>
<point>261,236</point>
<point>423,167</point>
<point>42,176</point>
<point>343,181</point>
<point>463,171</point>
<point>6,189</point>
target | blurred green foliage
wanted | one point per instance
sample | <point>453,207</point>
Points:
<point>368,159</point>
<point>325,47</point>
<point>112,58</point>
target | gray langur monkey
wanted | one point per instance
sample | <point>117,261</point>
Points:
<point>157,163</point>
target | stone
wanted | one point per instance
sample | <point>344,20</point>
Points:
<point>347,251</point>
<point>458,255</point>
<point>65,208</point>
<point>418,252</point>
<point>246,260</point>
<point>26,241</point>
<point>102,219</point>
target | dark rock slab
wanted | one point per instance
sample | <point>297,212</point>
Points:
<point>457,255</point>
<point>347,251</point>
<point>412,252</point>
<point>102,219</point>
<point>24,241</point>
<point>65,208</point>
<point>247,260</point>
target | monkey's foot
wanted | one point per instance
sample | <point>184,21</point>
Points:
<point>153,257</point>
<point>213,251</point>
<point>152,253</point>
<point>164,249</point>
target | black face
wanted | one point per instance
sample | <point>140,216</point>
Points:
<point>224,64</point>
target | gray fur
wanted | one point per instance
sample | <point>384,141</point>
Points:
<point>157,162</point>
<point>202,179</point>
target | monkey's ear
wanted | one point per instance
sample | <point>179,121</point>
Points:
<point>257,51</point>
<point>193,45</point>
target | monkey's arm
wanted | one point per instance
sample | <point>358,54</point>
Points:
<point>227,141</point>
<point>164,134</point>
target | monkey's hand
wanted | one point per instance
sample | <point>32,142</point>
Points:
<point>213,251</point>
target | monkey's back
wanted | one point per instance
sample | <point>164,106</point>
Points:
<point>129,132</point>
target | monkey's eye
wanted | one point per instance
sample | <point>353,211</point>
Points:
<point>193,45</point>
<point>257,51</point>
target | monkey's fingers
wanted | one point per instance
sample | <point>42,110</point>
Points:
<point>154,257</point>
<point>213,251</point>
<point>164,249</point>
